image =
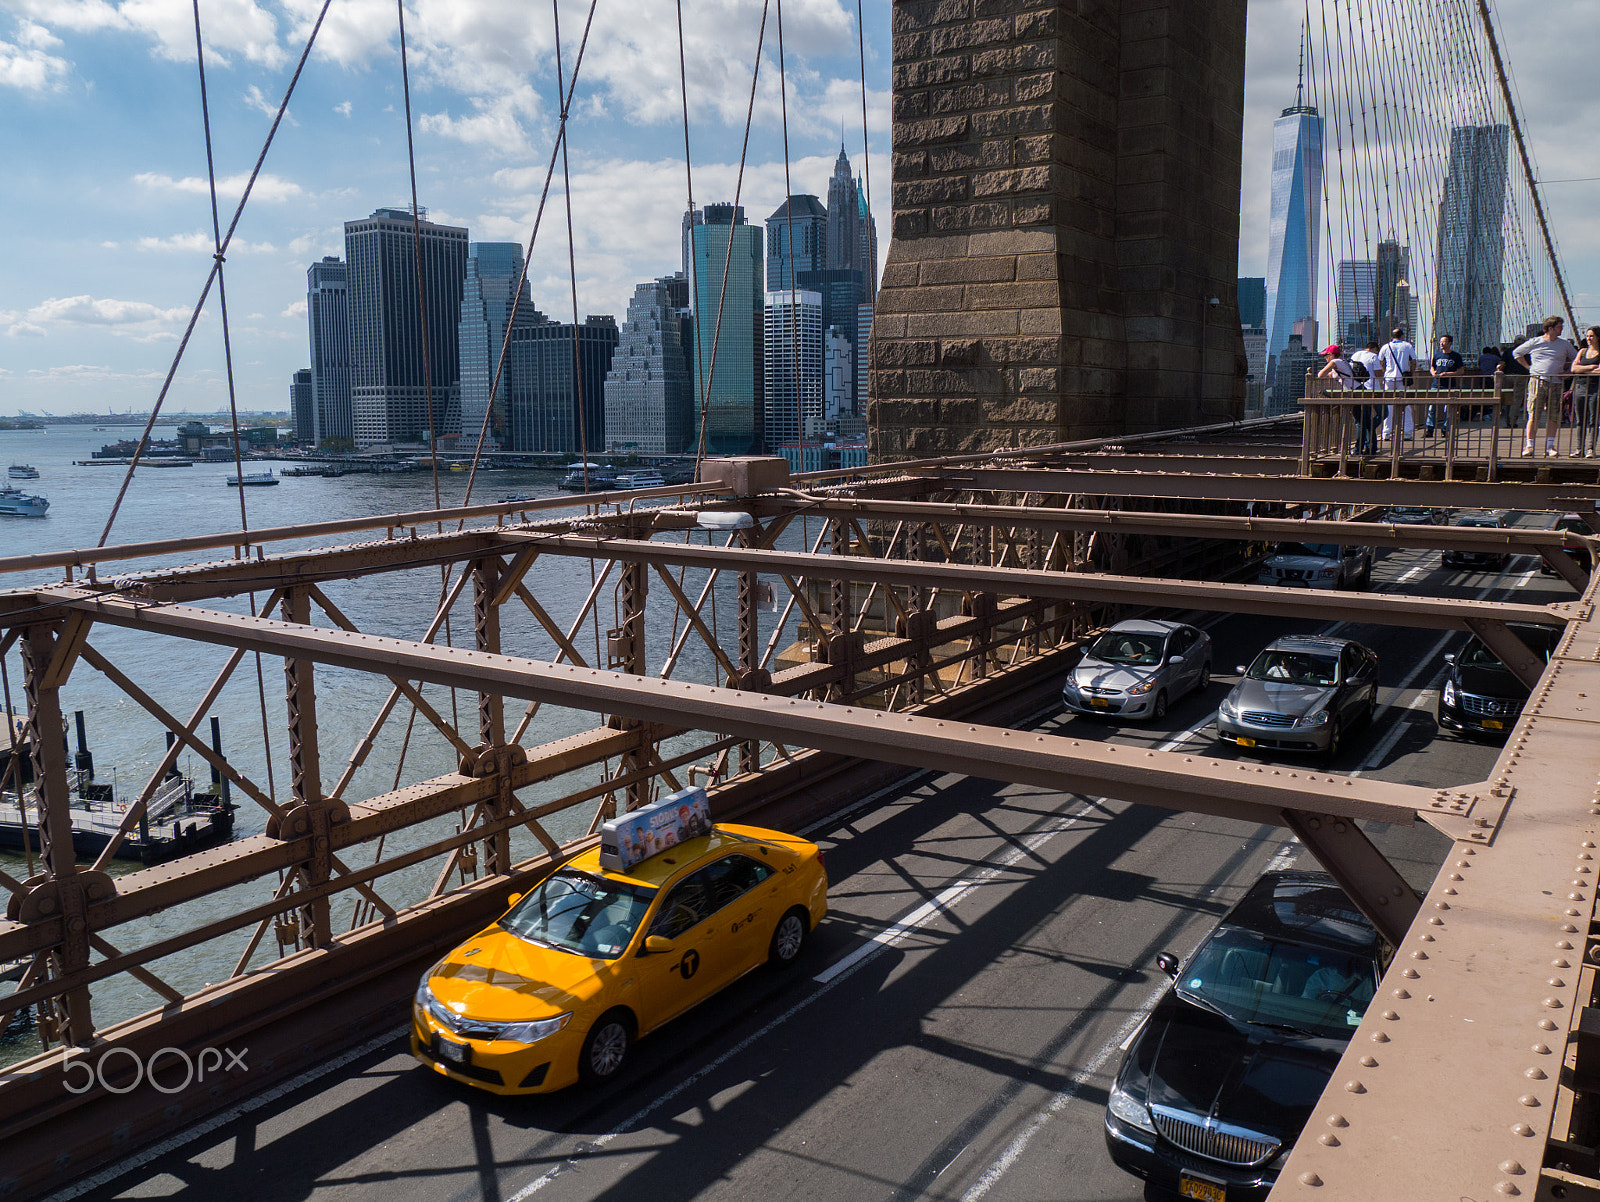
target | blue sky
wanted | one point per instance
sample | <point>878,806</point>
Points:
<point>105,162</point>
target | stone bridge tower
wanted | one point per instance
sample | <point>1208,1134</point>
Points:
<point>1066,209</point>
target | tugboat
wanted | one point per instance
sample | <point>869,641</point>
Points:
<point>18,504</point>
<point>177,820</point>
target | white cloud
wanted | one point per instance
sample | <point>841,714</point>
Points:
<point>203,243</point>
<point>296,310</point>
<point>24,329</point>
<point>25,65</point>
<point>315,246</point>
<point>139,320</point>
<point>256,99</point>
<point>343,109</point>
<point>229,26</point>
<point>268,187</point>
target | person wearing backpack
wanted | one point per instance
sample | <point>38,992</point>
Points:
<point>1398,357</point>
<point>1367,373</point>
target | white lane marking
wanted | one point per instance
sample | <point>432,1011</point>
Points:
<point>1411,573</point>
<point>1120,1042</point>
<point>946,898</point>
<point>1386,744</point>
<point>173,1143</point>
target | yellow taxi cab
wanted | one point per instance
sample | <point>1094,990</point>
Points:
<point>558,989</point>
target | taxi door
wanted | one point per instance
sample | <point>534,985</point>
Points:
<point>671,982</point>
<point>742,896</point>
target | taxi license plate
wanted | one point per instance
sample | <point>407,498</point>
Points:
<point>1189,1187</point>
<point>1493,724</point>
<point>1099,703</point>
<point>452,1052</point>
<point>1242,742</point>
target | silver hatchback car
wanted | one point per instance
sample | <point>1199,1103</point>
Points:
<point>1137,668</point>
<point>1302,693</point>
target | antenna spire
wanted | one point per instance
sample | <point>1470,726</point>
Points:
<point>1300,84</point>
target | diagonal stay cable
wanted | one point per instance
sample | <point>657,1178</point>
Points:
<point>216,266</point>
<point>727,260</point>
<point>227,349</point>
<point>522,278</point>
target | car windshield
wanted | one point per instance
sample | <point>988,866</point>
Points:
<point>1410,511</point>
<point>1542,643</point>
<point>1295,667</point>
<point>1482,519</point>
<point>1317,550</point>
<point>575,912</point>
<point>1251,978</point>
<point>1126,647</point>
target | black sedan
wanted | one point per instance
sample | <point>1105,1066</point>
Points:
<point>1217,1084</point>
<point>1480,695</point>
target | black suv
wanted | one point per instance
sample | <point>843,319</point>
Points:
<point>1491,519</point>
<point>1480,695</point>
<point>1214,1090</point>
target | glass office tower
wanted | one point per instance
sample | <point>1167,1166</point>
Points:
<point>727,308</point>
<point>493,269</point>
<point>1295,221</point>
<point>1471,254</point>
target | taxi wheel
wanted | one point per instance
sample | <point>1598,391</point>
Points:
<point>606,1047</point>
<point>789,939</point>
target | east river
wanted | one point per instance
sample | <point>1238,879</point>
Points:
<point>127,742</point>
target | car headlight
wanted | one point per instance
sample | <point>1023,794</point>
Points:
<point>1229,708</point>
<point>1139,690</point>
<point>532,1032</point>
<point>1130,1109</point>
<point>433,1007</point>
<point>1449,691</point>
<point>1320,718</point>
<point>1327,571</point>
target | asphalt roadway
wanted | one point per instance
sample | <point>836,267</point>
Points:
<point>950,1032</point>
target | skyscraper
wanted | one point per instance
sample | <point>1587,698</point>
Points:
<point>1295,220</point>
<point>727,341</point>
<point>550,406</point>
<point>866,240</point>
<point>803,219</point>
<point>1253,328</point>
<point>328,318</point>
<point>301,410</point>
<point>488,297</point>
<point>389,388</point>
<point>649,391</point>
<point>1253,302</point>
<point>793,368</point>
<point>844,220</point>
<point>1471,253</point>
<point>1354,295</point>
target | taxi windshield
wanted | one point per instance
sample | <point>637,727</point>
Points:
<point>1127,647</point>
<point>1251,978</point>
<point>575,912</point>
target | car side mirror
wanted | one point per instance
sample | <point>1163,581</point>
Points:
<point>655,945</point>
<point>1451,658</point>
<point>514,899</point>
<point>1168,963</point>
<point>1240,669</point>
<point>1173,659</point>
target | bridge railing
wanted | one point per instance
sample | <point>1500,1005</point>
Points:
<point>1471,425</point>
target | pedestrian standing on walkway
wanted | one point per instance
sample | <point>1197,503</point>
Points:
<point>1547,358</point>
<point>1446,370</point>
<point>1368,373</point>
<point>1586,394</point>
<point>1335,367</point>
<point>1398,358</point>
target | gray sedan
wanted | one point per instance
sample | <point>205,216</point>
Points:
<point>1136,668</point>
<point>1302,693</point>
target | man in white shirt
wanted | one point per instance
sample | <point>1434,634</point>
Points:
<point>1367,415</point>
<point>1398,357</point>
<point>1547,358</point>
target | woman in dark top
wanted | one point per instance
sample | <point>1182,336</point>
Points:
<point>1586,394</point>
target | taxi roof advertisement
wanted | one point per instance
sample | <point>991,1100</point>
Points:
<point>636,836</point>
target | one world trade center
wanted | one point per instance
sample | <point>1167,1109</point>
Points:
<point>1296,216</point>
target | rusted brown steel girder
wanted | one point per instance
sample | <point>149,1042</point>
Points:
<point>1254,792</point>
<point>1192,525</point>
<point>1383,609</point>
<point>1464,1078</point>
<point>1221,486</point>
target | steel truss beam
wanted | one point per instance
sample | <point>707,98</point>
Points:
<point>1383,609</point>
<point>1334,490</point>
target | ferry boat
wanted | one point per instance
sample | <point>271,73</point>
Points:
<point>18,504</point>
<point>599,478</point>
<point>23,471</point>
<point>644,479</point>
<point>257,480</point>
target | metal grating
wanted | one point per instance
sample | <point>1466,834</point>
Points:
<point>1490,707</point>
<point>1213,1140</point>
<point>1262,718</point>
